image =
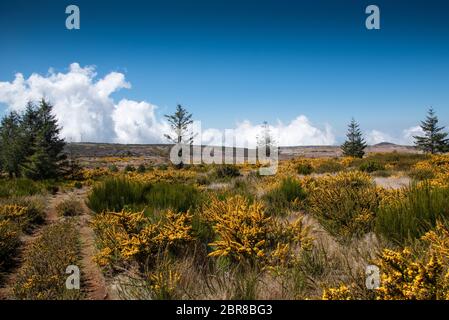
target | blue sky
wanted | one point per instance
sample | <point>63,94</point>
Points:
<point>230,61</point>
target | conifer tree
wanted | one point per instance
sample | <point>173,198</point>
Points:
<point>45,156</point>
<point>355,145</point>
<point>179,123</point>
<point>435,139</point>
<point>266,140</point>
<point>11,147</point>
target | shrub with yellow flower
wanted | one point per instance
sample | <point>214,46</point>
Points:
<point>245,233</point>
<point>406,274</point>
<point>9,241</point>
<point>344,203</point>
<point>435,170</point>
<point>126,236</point>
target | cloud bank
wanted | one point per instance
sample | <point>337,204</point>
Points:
<point>84,106</point>
<point>86,111</point>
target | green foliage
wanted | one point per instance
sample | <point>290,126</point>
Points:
<point>409,218</point>
<point>69,208</point>
<point>113,168</point>
<point>398,160</point>
<point>21,187</point>
<point>141,168</point>
<point>265,141</point>
<point>9,242</point>
<point>129,168</point>
<point>114,193</point>
<point>304,169</point>
<point>287,195</point>
<point>179,123</point>
<point>421,174</point>
<point>434,139</point>
<point>345,205</point>
<point>78,184</point>
<point>34,211</point>
<point>371,166</point>
<point>354,145</point>
<point>329,166</point>
<point>47,147</point>
<point>117,193</point>
<point>179,197</point>
<point>11,144</point>
<point>227,171</point>
<point>30,143</point>
<point>43,274</point>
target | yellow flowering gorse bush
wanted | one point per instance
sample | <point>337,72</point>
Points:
<point>438,168</point>
<point>123,236</point>
<point>344,203</point>
<point>408,275</point>
<point>245,233</point>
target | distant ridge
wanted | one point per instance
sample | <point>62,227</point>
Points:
<point>385,144</point>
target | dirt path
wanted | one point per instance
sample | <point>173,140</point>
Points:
<point>392,182</point>
<point>94,281</point>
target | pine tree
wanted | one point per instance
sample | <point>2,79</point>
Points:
<point>180,122</point>
<point>434,139</point>
<point>355,145</point>
<point>266,140</point>
<point>46,149</point>
<point>11,144</point>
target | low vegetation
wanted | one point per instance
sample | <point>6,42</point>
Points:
<point>69,208</point>
<point>415,213</point>
<point>43,273</point>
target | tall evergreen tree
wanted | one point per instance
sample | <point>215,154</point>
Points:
<point>46,150</point>
<point>355,145</point>
<point>179,123</point>
<point>434,139</point>
<point>266,140</point>
<point>11,144</point>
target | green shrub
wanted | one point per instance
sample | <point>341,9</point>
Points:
<point>286,196</point>
<point>179,197</point>
<point>129,168</point>
<point>227,171</point>
<point>141,168</point>
<point>409,218</point>
<point>52,188</point>
<point>421,174</point>
<point>69,208</point>
<point>304,169</point>
<point>117,193</point>
<point>78,184</point>
<point>43,273</point>
<point>329,166</point>
<point>21,187</point>
<point>113,168</point>
<point>400,161</point>
<point>33,215</point>
<point>9,242</point>
<point>345,204</point>
<point>371,166</point>
<point>114,193</point>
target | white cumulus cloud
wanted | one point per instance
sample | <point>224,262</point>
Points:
<point>84,107</point>
<point>86,111</point>
<point>405,138</point>
<point>297,132</point>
